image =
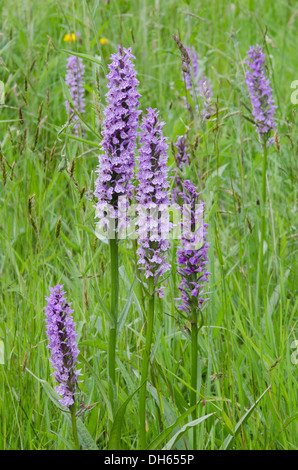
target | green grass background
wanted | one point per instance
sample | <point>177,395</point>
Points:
<point>245,345</point>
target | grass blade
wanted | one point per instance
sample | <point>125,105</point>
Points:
<point>229,440</point>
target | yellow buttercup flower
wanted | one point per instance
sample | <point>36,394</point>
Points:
<point>69,38</point>
<point>104,41</point>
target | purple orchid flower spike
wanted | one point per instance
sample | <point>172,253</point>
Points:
<point>116,164</point>
<point>62,344</point>
<point>153,195</point>
<point>260,91</point>
<point>192,256</point>
<point>74,81</point>
<point>198,85</point>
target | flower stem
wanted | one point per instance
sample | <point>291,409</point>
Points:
<point>139,289</point>
<point>194,372</point>
<point>113,326</point>
<point>72,409</point>
<point>145,365</point>
<point>260,273</point>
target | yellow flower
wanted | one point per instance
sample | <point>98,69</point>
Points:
<point>104,41</point>
<point>69,38</point>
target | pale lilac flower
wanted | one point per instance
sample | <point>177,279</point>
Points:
<point>152,196</point>
<point>193,71</point>
<point>260,91</point>
<point>62,344</point>
<point>160,292</point>
<point>116,164</point>
<point>198,85</point>
<point>74,81</point>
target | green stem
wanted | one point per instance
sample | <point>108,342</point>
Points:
<point>113,326</point>
<point>145,366</point>
<point>139,289</point>
<point>72,409</point>
<point>260,273</point>
<point>194,372</point>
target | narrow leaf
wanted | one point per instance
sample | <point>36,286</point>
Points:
<point>115,437</point>
<point>86,440</point>
<point>175,438</point>
<point>100,386</point>
<point>123,315</point>
<point>157,442</point>
<point>229,440</point>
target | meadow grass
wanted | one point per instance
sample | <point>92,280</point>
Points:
<point>246,342</point>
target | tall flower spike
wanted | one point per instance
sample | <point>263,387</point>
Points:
<point>74,81</point>
<point>153,196</point>
<point>119,133</point>
<point>198,85</point>
<point>192,259</point>
<point>193,70</point>
<point>62,344</point>
<point>260,91</point>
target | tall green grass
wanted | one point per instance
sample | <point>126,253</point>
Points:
<point>245,344</point>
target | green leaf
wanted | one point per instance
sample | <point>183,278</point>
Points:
<point>218,172</point>
<point>86,229</point>
<point>178,434</point>
<point>94,258</point>
<point>115,437</point>
<point>1,352</point>
<point>157,442</point>
<point>123,315</point>
<point>229,440</point>
<point>85,439</point>
<point>125,277</point>
<point>2,94</point>
<point>100,386</point>
<point>69,98</point>
<point>2,347</point>
<point>62,165</point>
<point>61,131</point>
<point>88,57</point>
<point>53,396</point>
<point>105,309</point>
<point>69,243</point>
<point>68,444</point>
